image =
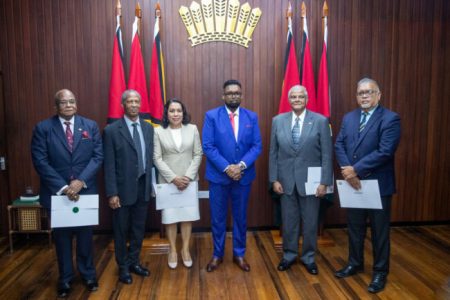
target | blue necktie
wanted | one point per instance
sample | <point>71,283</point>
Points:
<point>296,133</point>
<point>137,144</point>
<point>362,124</point>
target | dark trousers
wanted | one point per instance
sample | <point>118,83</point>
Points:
<point>63,244</point>
<point>219,196</point>
<point>294,209</point>
<point>379,224</point>
<point>129,224</point>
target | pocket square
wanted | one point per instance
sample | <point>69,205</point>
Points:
<point>85,135</point>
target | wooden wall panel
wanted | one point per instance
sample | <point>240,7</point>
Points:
<point>405,45</point>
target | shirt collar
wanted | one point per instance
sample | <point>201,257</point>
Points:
<point>129,122</point>
<point>302,116</point>
<point>370,112</point>
<point>72,120</point>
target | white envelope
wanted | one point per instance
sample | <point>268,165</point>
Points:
<point>313,182</point>
<point>66,213</point>
<point>168,195</point>
<point>367,197</point>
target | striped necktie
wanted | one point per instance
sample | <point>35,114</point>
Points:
<point>296,132</point>
<point>362,124</point>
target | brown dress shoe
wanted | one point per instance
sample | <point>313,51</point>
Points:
<point>213,264</point>
<point>241,263</point>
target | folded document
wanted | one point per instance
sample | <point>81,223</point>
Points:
<point>67,213</point>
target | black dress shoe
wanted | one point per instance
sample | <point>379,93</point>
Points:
<point>140,270</point>
<point>378,283</point>
<point>213,263</point>
<point>125,277</point>
<point>241,263</point>
<point>63,290</point>
<point>312,268</point>
<point>285,265</point>
<point>349,270</point>
<point>91,284</point>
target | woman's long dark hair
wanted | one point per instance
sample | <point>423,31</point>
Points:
<point>186,116</point>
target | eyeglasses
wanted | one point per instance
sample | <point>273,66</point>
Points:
<point>366,93</point>
<point>233,94</point>
<point>67,102</point>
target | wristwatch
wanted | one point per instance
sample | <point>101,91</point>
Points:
<point>242,166</point>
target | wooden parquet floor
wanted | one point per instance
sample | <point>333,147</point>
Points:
<point>420,269</point>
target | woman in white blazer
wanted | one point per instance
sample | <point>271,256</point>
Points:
<point>177,156</point>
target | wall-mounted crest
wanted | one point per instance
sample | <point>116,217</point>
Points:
<point>220,20</point>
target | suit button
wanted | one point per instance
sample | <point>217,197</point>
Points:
<point>354,156</point>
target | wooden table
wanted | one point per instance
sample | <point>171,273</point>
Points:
<point>28,218</point>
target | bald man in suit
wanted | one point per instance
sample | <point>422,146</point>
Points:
<point>67,153</point>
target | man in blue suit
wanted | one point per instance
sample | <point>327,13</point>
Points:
<point>231,143</point>
<point>365,149</point>
<point>67,152</point>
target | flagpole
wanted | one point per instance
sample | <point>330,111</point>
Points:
<point>117,81</point>
<point>158,15</point>
<point>289,11</point>
<point>119,9</point>
<point>157,10</point>
<point>324,16</point>
<point>138,14</point>
<point>303,13</point>
<point>323,101</point>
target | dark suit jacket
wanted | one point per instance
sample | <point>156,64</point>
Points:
<point>222,149</point>
<point>121,161</point>
<point>56,165</point>
<point>371,152</point>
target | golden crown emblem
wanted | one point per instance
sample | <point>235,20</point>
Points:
<point>225,20</point>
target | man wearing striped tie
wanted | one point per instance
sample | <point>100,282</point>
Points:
<point>365,149</point>
<point>299,139</point>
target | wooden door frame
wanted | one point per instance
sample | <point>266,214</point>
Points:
<point>4,181</point>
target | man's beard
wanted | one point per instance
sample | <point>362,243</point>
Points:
<point>233,105</point>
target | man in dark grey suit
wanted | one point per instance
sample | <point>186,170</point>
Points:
<point>128,150</point>
<point>299,139</point>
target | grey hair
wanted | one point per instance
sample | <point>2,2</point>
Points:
<point>127,94</point>
<point>368,80</point>
<point>297,88</point>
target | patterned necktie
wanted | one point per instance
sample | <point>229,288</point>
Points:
<point>137,144</point>
<point>296,132</point>
<point>362,124</point>
<point>69,136</point>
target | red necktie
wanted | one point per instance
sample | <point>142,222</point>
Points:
<point>69,136</point>
<point>232,121</point>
